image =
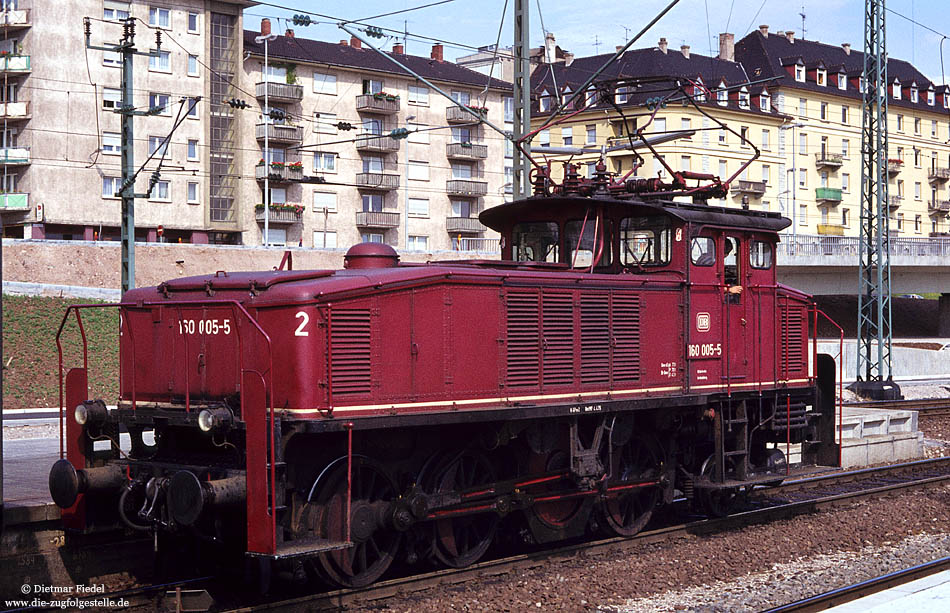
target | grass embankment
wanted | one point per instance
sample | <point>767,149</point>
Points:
<point>30,358</point>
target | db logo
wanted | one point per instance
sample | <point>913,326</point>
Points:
<point>702,322</point>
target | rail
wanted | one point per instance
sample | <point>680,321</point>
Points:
<point>237,309</point>
<point>823,245</point>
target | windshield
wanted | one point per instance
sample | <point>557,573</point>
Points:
<point>645,241</point>
<point>535,242</point>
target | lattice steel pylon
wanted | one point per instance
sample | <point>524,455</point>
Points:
<point>874,284</point>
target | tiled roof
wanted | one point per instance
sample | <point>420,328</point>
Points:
<point>766,56</point>
<point>646,64</point>
<point>334,54</point>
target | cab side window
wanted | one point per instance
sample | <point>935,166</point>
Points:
<point>760,255</point>
<point>581,250</point>
<point>645,241</point>
<point>731,261</point>
<point>535,242</point>
<point>702,251</point>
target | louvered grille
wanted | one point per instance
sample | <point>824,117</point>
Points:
<point>793,340</point>
<point>522,338</point>
<point>595,339</point>
<point>626,331</point>
<point>558,339</point>
<point>351,363</point>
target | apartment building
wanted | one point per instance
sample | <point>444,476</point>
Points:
<point>362,150</point>
<point>819,87</point>
<point>718,86</point>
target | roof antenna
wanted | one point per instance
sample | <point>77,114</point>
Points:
<point>596,45</point>
<point>803,20</point>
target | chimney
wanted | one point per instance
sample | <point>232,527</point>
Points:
<point>344,43</point>
<point>727,47</point>
<point>764,29</point>
<point>662,45</point>
<point>618,47</point>
<point>790,35</point>
<point>398,48</point>
<point>549,48</point>
<point>568,58</point>
<point>436,52</point>
<point>289,33</point>
<point>355,43</point>
<point>847,48</point>
<point>684,49</point>
<point>265,27</point>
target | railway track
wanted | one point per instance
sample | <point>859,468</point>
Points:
<point>793,498</point>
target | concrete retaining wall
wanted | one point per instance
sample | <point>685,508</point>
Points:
<point>906,362</point>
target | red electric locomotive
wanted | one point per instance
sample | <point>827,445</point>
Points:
<point>622,352</point>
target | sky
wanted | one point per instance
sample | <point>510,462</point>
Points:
<point>598,26</point>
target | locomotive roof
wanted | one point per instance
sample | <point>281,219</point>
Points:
<point>538,207</point>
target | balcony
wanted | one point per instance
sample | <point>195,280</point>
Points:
<point>383,144</point>
<point>939,206</point>
<point>279,133</point>
<point>280,172</point>
<point>283,214</point>
<point>831,160</point>
<point>938,174</point>
<point>465,187</point>
<point>830,229</point>
<point>894,202</point>
<point>376,103</point>
<point>466,151</point>
<point>15,19</point>
<point>14,110</point>
<point>377,219</point>
<point>894,166</point>
<point>15,64</point>
<point>755,188</point>
<point>828,195</point>
<point>13,156</point>
<point>456,114</point>
<point>377,180</point>
<point>15,202</point>
<point>477,245</point>
<point>279,92</point>
<point>463,225</point>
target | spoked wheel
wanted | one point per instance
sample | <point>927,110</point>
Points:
<point>720,502</point>
<point>460,541</point>
<point>374,542</point>
<point>626,511</point>
<point>555,514</point>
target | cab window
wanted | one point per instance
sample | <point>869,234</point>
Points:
<point>535,242</point>
<point>645,241</point>
<point>760,255</point>
<point>702,251</point>
<point>581,250</point>
<point>731,261</point>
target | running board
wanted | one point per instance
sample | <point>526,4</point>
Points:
<point>302,547</point>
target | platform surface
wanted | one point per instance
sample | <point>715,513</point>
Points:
<point>928,595</point>
<point>26,464</point>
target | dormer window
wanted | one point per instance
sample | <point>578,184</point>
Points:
<point>861,84</point>
<point>545,103</point>
<point>722,96</point>
<point>566,95</point>
<point>842,81</point>
<point>765,102</point>
<point>622,95</point>
<point>699,91</point>
<point>946,99</point>
<point>930,97</point>
<point>800,73</point>
<point>743,98</point>
<point>913,93</point>
<point>591,96</point>
<point>896,89</point>
<point>822,78</point>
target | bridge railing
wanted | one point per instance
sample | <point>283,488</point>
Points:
<point>818,245</point>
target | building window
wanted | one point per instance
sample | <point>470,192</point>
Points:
<point>686,124</point>
<point>659,127</point>
<point>823,178</point>
<point>115,11</point>
<point>418,243</point>
<point>567,137</point>
<point>509,109</point>
<point>845,146</point>
<point>372,237</point>
<point>800,73</point>
<point>900,221</point>
<point>545,101</point>
<point>917,125</point>
<point>766,172</point>
<point>916,157</point>
<point>278,195</point>
<point>621,96</point>
<point>803,214</point>
<point>896,89</point>
<point>822,77</point>
<point>192,65</point>
<point>823,111</point>
<point>418,207</point>
<point>324,83</point>
<point>900,188</point>
<point>192,23</point>
<point>161,191</point>
<point>900,154</point>
<point>461,134</point>
<point>324,240</point>
<point>544,138</point>
<point>372,163</point>
<point>918,222</point>
<point>111,143</point>
<point>509,149</point>
<point>419,134</point>
<point>845,182</point>
<point>765,139</point>
<point>765,103</point>
<point>324,123</point>
<point>275,236</point>
<point>842,81</point>
<point>372,86</point>
<point>158,17</point>
<point>111,98</point>
<point>159,103</point>
<point>193,149</point>
<point>685,163</point>
<point>161,62</point>
<point>846,218</point>
<point>157,146</point>
<point>844,114</point>
<point>699,91</point>
<point>591,132</point>
<point>324,202</point>
<point>111,58</point>
<point>743,98</point>
<point>192,106</point>
<point>802,143</point>
<point>917,190</point>
<point>111,187</point>
<point>193,192</point>
<point>803,178</point>
<point>722,137</point>
<point>802,107</point>
<point>723,169</point>
<point>744,135</point>
<point>913,94</point>
<point>722,95</point>
<point>418,95</point>
<point>460,170</point>
<point>933,128</point>
<point>324,161</point>
<point>418,171</point>
<point>900,123</point>
<point>274,74</point>
<point>930,97</point>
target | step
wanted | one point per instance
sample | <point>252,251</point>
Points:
<point>305,547</point>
